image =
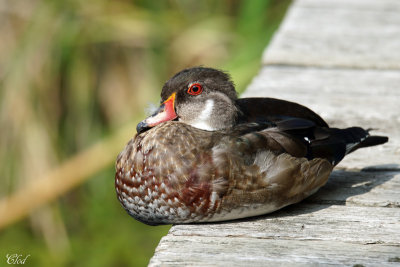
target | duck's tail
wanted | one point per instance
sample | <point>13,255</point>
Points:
<point>333,144</point>
<point>370,140</point>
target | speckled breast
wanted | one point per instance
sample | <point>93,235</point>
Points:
<point>158,179</point>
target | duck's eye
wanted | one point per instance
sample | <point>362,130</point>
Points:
<point>195,89</point>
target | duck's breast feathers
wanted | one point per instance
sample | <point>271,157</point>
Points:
<point>258,109</point>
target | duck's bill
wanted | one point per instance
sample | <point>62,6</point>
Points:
<point>166,112</point>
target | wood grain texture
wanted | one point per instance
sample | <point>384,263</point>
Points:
<point>338,95</point>
<point>365,188</point>
<point>355,224</point>
<point>244,251</point>
<point>351,34</point>
<point>341,58</point>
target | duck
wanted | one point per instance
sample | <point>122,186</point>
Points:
<point>206,155</point>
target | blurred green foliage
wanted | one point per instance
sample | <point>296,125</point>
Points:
<point>71,73</point>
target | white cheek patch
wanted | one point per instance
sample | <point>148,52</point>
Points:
<point>202,121</point>
<point>206,113</point>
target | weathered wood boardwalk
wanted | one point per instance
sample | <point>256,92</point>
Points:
<point>342,59</point>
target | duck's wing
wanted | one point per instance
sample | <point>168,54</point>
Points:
<point>265,169</point>
<point>304,138</point>
<point>271,109</point>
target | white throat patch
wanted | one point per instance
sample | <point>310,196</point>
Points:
<point>202,121</point>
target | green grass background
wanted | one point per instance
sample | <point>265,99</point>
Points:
<point>74,72</point>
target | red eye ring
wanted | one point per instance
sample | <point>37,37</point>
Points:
<point>195,89</point>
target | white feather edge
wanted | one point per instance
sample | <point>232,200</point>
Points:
<point>202,121</point>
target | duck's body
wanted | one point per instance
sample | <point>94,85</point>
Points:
<point>232,158</point>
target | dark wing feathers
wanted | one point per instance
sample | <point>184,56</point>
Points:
<point>303,138</point>
<point>261,109</point>
<point>291,124</point>
<point>333,144</point>
<point>288,127</point>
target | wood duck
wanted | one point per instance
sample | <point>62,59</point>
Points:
<point>207,156</point>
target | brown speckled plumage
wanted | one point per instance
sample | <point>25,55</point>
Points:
<point>172,172</point>
<point>175,173</point>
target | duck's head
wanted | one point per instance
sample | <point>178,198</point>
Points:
<point>201,97</point>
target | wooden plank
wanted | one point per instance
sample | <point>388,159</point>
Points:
<point>365,188</point>
<point>245,251</point>
<point>342,95</point>
<point>362,34</point>
<point>366,98</point>
<point>353,224</point>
